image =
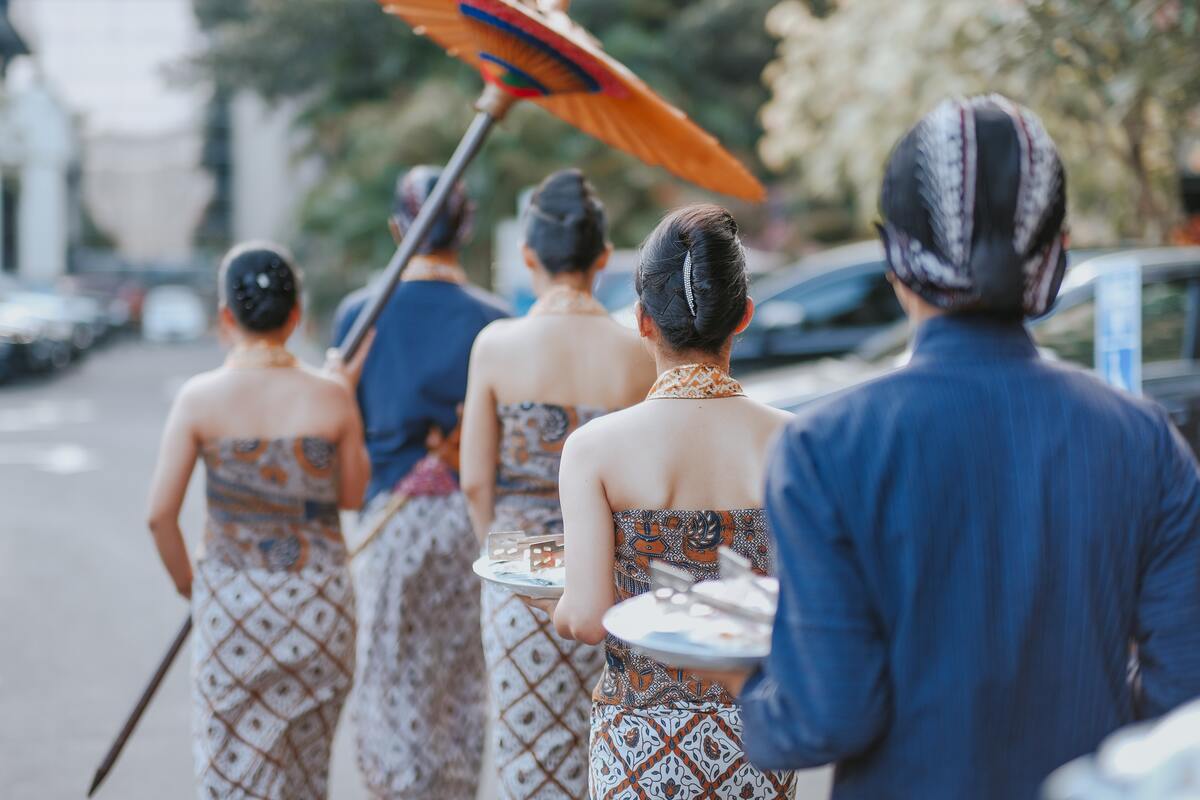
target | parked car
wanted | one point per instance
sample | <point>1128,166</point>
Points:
<point>825,305</point>
<point>173,314</point>
<point>1170,339</point>
<point>37,345</point>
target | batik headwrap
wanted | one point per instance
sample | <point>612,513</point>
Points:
<point>451,226</point>
<point>947,156</point>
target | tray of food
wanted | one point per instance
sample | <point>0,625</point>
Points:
<point>720,624</point>
<point>531,566</point>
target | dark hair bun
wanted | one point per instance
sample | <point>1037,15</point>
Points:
<point>260,286</point>
<point>707,236</point>
<point>566,225</point>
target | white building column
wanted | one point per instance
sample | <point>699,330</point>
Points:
<point>48,147</point>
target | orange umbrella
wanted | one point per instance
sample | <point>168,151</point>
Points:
<point>543,57</point>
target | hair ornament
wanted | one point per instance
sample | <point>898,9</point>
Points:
<point>687,283</point>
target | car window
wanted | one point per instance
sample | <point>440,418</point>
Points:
<point>861,300</point>
<point>1071,333</point>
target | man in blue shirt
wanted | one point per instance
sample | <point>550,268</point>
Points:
<point>419,707</point>
<point>973,550</point>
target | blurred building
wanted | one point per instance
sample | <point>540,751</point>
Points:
<point>170,170</point>
<point>39,149</point>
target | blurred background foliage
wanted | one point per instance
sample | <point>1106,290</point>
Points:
<point>1116,81</point>
<point>811,94</point>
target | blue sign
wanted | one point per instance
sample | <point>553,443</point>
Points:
<point>1119,325</point>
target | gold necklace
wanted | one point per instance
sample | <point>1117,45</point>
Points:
<point>565,300</point>
<point>259,356</point>
<point>695,382</point>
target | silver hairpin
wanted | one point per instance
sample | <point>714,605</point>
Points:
<point>687,282</point>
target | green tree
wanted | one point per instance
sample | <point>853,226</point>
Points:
<point>376,98</point>
<point>1117,83</point>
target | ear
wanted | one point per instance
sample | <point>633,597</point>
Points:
<point>530,258</point>
<point>602,260</point>
<point>646,327</point>
<point>747,315</point>
<point>293,319</point>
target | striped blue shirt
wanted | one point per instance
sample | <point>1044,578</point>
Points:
<point>969,550</point>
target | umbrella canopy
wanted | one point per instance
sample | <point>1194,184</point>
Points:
<point>551,61</point>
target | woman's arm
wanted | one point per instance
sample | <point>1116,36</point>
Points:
<point>479,449</point>
<point>588,524</point>
<point>176,460</point>
<point>353,459</point>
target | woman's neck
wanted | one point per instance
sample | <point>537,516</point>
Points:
<point>664,361</point>
<point>267,341</point>
<point>575,281</point>
<point>443,258</point>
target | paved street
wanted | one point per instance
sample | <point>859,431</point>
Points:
<point>85,608</point>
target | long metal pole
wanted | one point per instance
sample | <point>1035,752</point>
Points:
<point>110,758</point>
<point>492,105</point>
<point>468,148</point>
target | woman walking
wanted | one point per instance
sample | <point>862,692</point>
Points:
<point>534,381</point>
<point>419,704</point>
<point>271,596</point>
<point>671,479</point>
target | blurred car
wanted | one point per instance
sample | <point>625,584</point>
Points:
<point>1170,339</point>
<point>35,345</point>
<point>173,314</point>
<point>825,305</point>
<point>77,319</point>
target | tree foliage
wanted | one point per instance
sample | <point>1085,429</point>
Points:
<point>1117,83</point>
<point>377,98</point>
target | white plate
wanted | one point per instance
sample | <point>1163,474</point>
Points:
<point>484,568</point>
<point>653,630</point>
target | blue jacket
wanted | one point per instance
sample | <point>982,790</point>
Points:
<point>416,374</point>
<point>967,548</point>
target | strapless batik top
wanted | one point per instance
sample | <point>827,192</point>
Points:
<point>272,503</point>
<point>686,539</point>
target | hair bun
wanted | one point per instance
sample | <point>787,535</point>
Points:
<point>566,226</point>
<point>696,308</point>
<point>259,286</point>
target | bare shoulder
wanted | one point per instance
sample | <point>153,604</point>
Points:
<point>201,389</point>
<point>325,386</point>
<point>496,333</point>
<point>600,434</point>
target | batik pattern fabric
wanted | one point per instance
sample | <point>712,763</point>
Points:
<point>947,153</point>
<point>541,684</point>
<point>273,606</point>
<point>659,731</point>
<point>420,699</point>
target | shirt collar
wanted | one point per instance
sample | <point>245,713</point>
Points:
<point>973,338</point>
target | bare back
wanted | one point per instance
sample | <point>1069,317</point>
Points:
<point>691,454</point>
<point>266,404</point>
<point>570,360</point>
<point>567,360</point>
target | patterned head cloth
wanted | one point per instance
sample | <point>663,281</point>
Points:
<point>451,227</point>
<point>973,202</point>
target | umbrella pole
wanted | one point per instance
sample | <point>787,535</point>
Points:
<point>491,106</point>
<point>110,758</point>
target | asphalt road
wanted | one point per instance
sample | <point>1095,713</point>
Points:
<point>85,608</point>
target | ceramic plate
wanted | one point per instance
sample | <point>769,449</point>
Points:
<point>519,583</point>
<point>680,639</point>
